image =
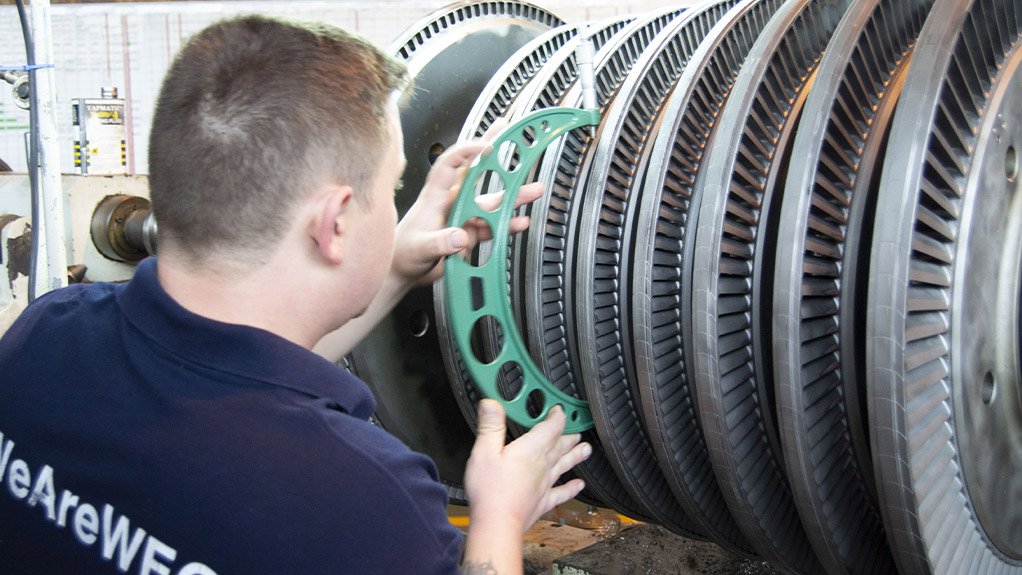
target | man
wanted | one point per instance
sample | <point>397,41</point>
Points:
<point>179,423</point>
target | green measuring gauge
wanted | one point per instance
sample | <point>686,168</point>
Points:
<point>477,292</point>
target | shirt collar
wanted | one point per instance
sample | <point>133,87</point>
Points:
<point>242,350</point>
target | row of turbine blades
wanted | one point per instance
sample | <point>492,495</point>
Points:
<point>783,271</point>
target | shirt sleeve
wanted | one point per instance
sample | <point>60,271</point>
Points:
<point>394,504</point>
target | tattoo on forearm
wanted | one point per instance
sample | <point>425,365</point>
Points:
<point>470,568</point>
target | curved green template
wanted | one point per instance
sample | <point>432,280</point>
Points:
<point>474,292</point>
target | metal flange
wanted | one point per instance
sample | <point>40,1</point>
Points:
<point>123,228</point>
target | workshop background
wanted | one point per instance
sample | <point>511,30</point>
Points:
<point>130,46</point>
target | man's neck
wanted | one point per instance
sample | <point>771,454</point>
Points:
<point>265,298</point>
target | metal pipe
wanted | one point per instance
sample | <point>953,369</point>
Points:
<point>32,152</point>
<point>51,262</point>
<point>584,56</point>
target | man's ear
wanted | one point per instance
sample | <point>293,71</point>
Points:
<point>330,225</point>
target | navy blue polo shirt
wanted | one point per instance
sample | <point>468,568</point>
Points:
<point>138,437</point>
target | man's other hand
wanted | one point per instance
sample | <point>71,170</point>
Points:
<point>423,239</point>
<point>514,484</point>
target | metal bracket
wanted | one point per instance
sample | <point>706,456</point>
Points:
<point>475,292</point>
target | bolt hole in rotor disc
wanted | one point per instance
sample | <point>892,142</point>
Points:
<point>435,152</point>
<point>418,323</point>
<point>1011,164</point>
<point>988,388</point>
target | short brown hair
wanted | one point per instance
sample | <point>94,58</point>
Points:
<point>253,113</point>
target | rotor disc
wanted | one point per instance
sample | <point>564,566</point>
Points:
<point>663,373</point>
<point>548,316</point>
<point>606,212</point>
<point>820,284</point>
<point>468,41</point>
<point>498,98</point>
<point>944,299</point>
<point>547,91</point>
<point>732,277</point>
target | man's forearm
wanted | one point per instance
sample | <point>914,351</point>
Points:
<point>493,547</point>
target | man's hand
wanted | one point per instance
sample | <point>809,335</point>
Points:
<point>423,238</point>
<point>510,486</point>
<point>516,481</point>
